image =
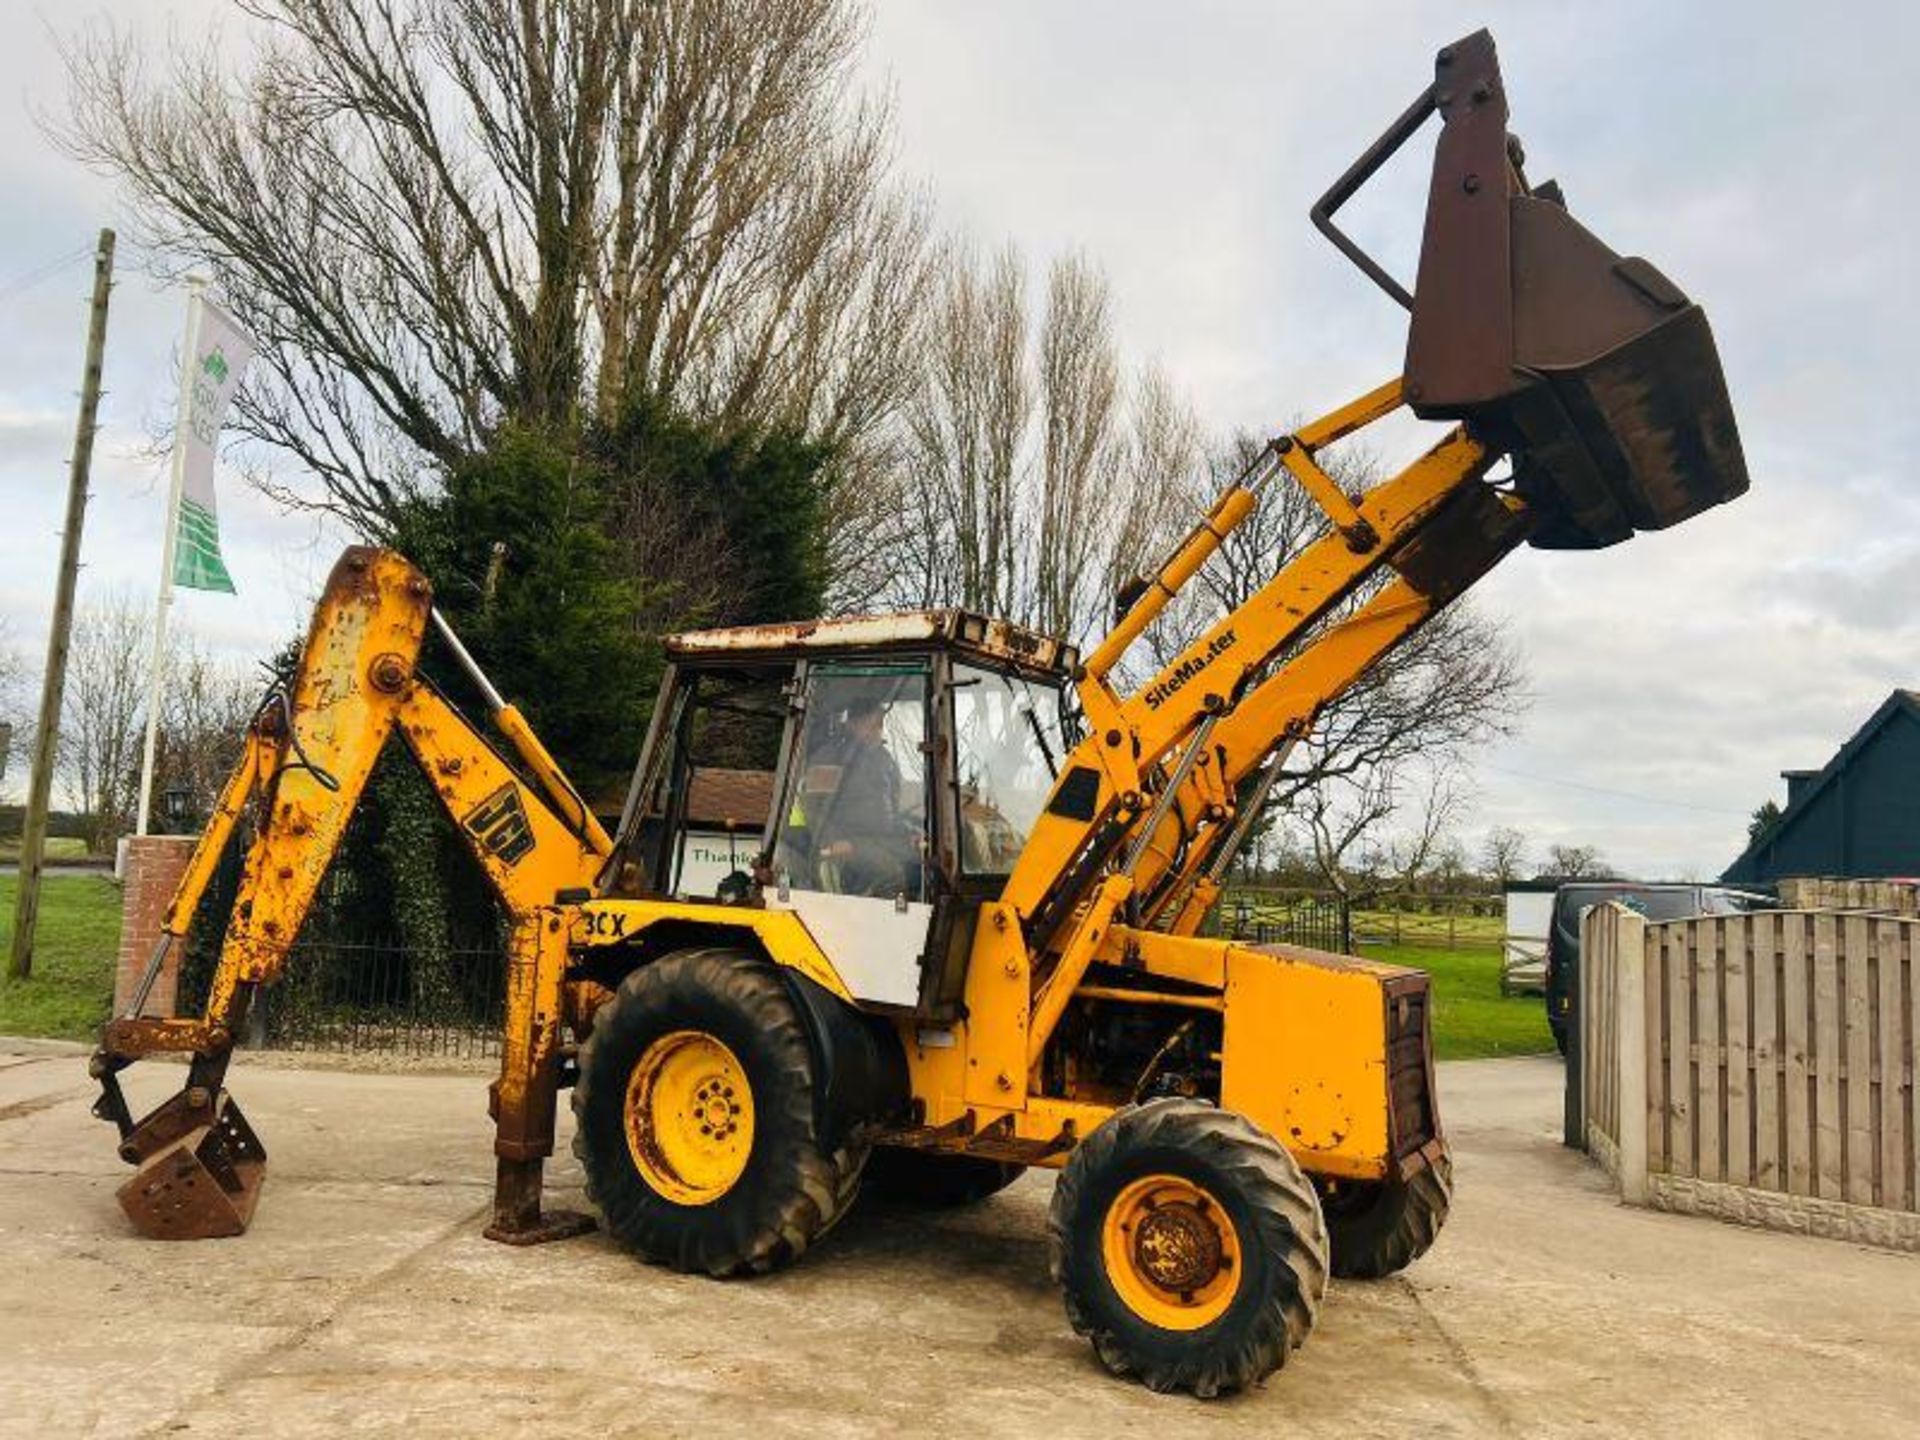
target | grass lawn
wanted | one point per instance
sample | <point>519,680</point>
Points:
<point>1471,1018</point>
<point>76,942</point>
<point>59,847</point>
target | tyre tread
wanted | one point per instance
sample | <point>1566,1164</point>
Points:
<point>1402,1226</point>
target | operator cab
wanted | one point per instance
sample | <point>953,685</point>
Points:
<point>896,763</point>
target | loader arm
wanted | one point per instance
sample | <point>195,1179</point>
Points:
<point>1107,784</point>
<point>309,752</point>
<point>1594,375</point>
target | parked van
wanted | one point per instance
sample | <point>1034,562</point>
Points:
<point>1656,902</point>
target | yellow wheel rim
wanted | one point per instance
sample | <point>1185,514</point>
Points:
<point>1171,1252</point>
<point>689,1117</point>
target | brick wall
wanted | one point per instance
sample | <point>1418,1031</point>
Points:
<point>153,868</point>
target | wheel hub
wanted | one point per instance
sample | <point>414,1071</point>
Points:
<point>1177,1247</point>
<point>716,1109</point>
<point>689,1117</point>
<point>1171,1252</point>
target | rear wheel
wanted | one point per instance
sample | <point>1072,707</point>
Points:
<point>1377,1228</point>
<point>1189,1247</point>
<point>936,1182</point>
<point>696,1128</point>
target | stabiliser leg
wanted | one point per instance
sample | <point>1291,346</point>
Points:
<point>522,1101</point>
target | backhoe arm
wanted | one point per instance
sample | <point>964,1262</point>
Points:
<point>310,749</point>
<point>309,752</point>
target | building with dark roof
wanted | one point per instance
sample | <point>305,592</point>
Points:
<point>1857,817</point>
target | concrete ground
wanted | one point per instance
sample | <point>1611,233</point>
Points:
<point>364,1302</point>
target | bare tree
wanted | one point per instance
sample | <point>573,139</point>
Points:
<point>1347,817</point>
<point>1424,847</point>
<point>1453,685</point>
<point>202,731</point>
<point>104,717</point>
<point>1033,478</point>
<point>1079,401</point>
<point>438,214</point>
<point>1577,862</point>
<point>1503,854</point>
<point>1162,473</point>
<point>1339,813</point>
<point>15,713</point>
<point>966,430</point>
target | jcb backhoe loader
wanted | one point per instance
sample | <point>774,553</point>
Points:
<point>966,942</point>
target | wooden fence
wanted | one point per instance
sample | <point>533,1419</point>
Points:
<point>1758,1067</point>
<point>1890,897</point>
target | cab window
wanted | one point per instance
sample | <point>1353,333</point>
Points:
<point>1009,735</point>
<point>855,814</point>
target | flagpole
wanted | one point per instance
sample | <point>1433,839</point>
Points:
<point>182,417</point>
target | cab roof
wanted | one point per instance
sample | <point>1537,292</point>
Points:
<point>964,632</point>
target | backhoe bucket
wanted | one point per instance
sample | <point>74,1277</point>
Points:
<point>196,1181</point>
<point>1594,372</point>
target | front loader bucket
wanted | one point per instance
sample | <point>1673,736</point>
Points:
<point>1594,372</point>
<point>195,1181</point>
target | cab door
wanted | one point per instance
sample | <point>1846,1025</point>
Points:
<point>852,852</point>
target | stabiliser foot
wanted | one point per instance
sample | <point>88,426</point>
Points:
<point>551,1225</point>
<point>517,1216</point>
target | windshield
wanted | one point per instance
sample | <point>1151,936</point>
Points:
<point>1010,737</point>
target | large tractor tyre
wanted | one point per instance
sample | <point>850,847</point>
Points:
<point>1189,1246</point>
<point>1383,1227</point>
<point>695,1111</point>
<point>936,1182</point>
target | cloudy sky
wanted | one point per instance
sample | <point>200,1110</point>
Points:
<point>1757,152</point>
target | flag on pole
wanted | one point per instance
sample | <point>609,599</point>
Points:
<point>217,357</point>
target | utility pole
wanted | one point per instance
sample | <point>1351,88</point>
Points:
<point>33,834</point>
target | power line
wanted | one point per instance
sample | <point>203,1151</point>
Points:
<point>1614,794</point>
<point>22,283</point>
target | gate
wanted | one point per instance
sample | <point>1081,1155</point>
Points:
<point>1310,921</point>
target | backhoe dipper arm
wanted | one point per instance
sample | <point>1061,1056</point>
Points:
<point>309,752</point>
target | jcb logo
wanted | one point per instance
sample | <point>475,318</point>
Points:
<point>499,822</point>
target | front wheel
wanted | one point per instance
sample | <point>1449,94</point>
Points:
<point>1189,1247</point>
<point>695,1110</point>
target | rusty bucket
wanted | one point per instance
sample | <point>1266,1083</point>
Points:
<point>1593,371</point>
<point>201,1167</point>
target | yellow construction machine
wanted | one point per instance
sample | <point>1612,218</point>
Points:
<point>966,939</point>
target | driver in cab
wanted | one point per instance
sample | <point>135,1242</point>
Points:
<point>867,839</point>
